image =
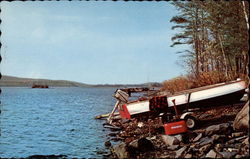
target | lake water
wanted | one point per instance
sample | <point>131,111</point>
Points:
<point>55,121</point>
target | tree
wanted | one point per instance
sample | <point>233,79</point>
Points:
<point>217,33</point>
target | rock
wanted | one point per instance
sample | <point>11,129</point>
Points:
<point>134,144</point>
<point>238,139</point>
<point>107,144</point>
<point>217,129</point>
<point>120,150</point>
<point>140,124</point>
<point>112,134</point>
<point>233,150</point>
<point>179,152</point>
<point>238,156</point>
<point>188,156</point>
<point>142,145</point>
<point>218,147</point>
<point>116,139</point>
<point>153,138</point>
<point>205,148</point>
<point>173,147</point>
<point>216,137</point>
<point>246,141</point>
<point>237,134</point>
<point>170,140</point>
<point>205,141</point>
<point>198,137</point>
<point>227,154</point>
<point>123,121</point>
<point>188,136</point>
<point>192,150</point>
<point>244,98</point>
<point>145,145</point>
<point>242,118</point>
<point>164,156</point>
<point>238,145</point>
<point>205,115</point>
<point>178,137</point>
<point>211,154</point>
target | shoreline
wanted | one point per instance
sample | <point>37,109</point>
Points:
<point>141,139</point>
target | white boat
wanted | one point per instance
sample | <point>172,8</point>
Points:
<point>208,96</point>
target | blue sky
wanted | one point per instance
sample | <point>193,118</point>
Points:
<point>89,42</point>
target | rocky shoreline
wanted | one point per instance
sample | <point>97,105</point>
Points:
<point>219,135</point>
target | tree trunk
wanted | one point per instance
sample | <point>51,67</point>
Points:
<point>245,13</point>
<point>224,57</point>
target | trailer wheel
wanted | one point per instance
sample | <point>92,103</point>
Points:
<point>191,122</point>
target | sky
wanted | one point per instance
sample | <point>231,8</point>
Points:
<point>89,42</point>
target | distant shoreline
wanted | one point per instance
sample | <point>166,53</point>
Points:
<point>11,81</point>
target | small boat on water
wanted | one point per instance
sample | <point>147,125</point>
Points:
<point>39,86</point>
<point>203,97</point>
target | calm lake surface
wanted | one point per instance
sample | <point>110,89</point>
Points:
<point>55,121</point>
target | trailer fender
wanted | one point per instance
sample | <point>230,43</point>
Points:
<point>191,121</point>
<point>185,114</point>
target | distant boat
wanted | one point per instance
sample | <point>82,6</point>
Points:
<point>202,97</point>
<point>39,86</point>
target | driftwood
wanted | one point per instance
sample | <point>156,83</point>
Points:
<point>112,127</point>
<point>104,116</point>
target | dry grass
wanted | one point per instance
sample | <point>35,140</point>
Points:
<point>192,81</point>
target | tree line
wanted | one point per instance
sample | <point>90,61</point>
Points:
<point>217,33</point>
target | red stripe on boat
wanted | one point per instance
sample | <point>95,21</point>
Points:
<point>124,112</point>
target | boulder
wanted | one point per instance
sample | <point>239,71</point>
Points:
<point>242,118</point>
<point>205,141</point>
<point>142,144</point>
<point>211,154</point>
<point>217,129</point>
<point>198,137</point>
<point>180,152</point>
<point>171,140</point>
<point>145,145</point>
<point>227,154</point>
<point>120,151</point>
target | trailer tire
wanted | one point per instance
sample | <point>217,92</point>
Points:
<point>191,122</point>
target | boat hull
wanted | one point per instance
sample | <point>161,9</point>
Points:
<point>216,95</point>
<point>226,99</point>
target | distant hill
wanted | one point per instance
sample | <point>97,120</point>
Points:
<point>11,81</point>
